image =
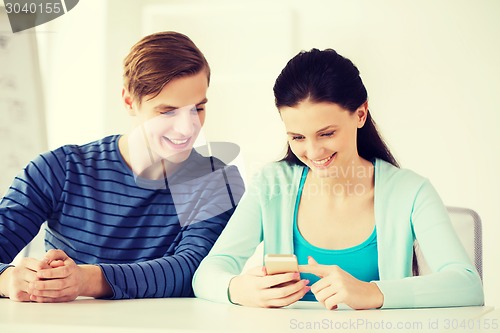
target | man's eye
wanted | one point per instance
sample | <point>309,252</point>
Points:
<point>168,113</point>
<point>197,109</point>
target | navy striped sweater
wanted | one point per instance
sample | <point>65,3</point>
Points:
<point>148,240</point>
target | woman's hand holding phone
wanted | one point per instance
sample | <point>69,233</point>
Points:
<point>259,289</point>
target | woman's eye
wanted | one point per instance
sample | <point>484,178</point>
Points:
<point>328,134</point>
<point>297,137</point>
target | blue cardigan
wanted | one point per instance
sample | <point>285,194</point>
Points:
<point>407,208</point>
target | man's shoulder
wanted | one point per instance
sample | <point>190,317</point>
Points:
<point>199,166</point>
<point>105,146</point>
<point>102,146</point>
<point>103,150</point>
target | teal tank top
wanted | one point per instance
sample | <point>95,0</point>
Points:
<point>361,261</point>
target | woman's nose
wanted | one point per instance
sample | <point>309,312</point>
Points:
<point>314,151</point>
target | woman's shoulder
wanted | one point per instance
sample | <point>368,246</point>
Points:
<point>393,177</point>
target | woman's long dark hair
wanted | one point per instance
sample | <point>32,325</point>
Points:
<point>326,76</point>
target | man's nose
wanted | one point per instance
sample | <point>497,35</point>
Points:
<point>186,121</point>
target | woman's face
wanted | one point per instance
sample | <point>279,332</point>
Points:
<point>323,135</point>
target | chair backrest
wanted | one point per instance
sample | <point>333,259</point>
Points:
<point>467,224</point>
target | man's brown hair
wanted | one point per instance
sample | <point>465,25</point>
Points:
<point>159,58</point>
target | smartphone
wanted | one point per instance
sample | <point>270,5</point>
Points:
<point>281,263</point>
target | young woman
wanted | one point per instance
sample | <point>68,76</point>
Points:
<point>341,204</point>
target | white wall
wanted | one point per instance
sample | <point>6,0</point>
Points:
<point>430,66</point>
<point>72,49</point>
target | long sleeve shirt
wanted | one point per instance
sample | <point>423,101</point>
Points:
<point>147,236</point>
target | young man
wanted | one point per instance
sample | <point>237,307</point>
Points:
<point>127,216</point>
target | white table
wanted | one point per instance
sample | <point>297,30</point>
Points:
<point>195,315</point>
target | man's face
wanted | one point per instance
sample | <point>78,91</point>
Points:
<point>169,123</point>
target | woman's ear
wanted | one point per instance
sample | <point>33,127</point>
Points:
<point>128,102</point>
<point>362,114</point>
